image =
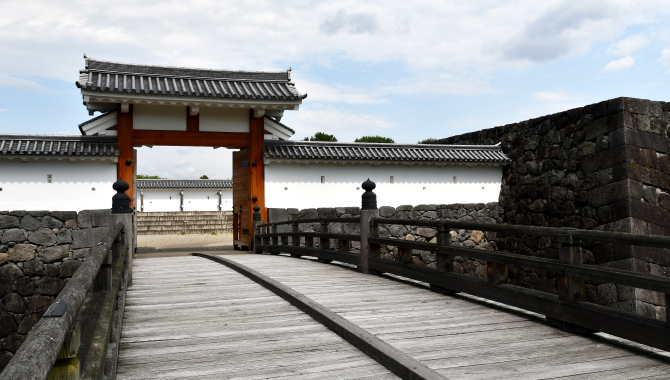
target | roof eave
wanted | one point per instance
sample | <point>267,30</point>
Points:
<point>92,98</point>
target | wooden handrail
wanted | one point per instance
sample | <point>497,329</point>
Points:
<point>37,355</point>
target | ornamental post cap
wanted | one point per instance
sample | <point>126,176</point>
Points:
<point>256,217</point>
<point>368,185</point>
<point>121,200</point>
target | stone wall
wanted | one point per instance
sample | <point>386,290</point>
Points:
<point>480,212</point>
<point>605,166</point>
<point>39,252</point>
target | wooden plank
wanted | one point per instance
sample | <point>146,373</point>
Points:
<point>190,318</point>
<point>460,335</point>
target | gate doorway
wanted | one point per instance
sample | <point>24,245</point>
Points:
<point>168,106</point>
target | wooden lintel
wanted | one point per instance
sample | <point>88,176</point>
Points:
<point>188,138</point>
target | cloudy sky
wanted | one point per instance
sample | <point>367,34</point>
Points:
<point>403,69</point>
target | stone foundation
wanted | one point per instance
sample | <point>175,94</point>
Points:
<point>39,252</point>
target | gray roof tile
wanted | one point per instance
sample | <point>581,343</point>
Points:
<point>336,151</point>
<point>185,183</point>
<point>104,76</point>
<point>50,145</point>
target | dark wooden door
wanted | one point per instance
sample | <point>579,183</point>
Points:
<point>241,200</point>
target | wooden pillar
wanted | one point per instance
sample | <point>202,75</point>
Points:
<point>124,139</point>
<point>256,169</point>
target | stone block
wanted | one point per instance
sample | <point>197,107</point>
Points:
<point>51,270</point>
<point>38,303</point>
<point>64,236</point>
<point>10,272</point>
<point>55,253</point>
<point>606,294</point>
<point>38,213</point>
<point>27,323</point>
<point>309,213</point>
<point>43,236</point>
<point>49,286</point>
<point>609,193</point>
<point>81,253</point>
<point>101,218</point>
<point>15,235</point>
<point>25,286</point>
<point>14,303</point>
<point>4,257</point>
<point>8,221</point>
<point>30,223</point>
<point>387,211</point>
<point>277,215</point>
<point>7,325</point>
<point>84,219</point>
<point>51,222</point>
<point>71,224</point>
<point>22,252</point>
<point>90,237</point>
<point>33,268</point>
<point>18,213</point>
<point>64,216</point>
<point>426,232</point>
<point>69,267</point>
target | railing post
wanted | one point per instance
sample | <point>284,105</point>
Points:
<point>443,262</point>
<point>295,239</point>
<point>369,210</point>
<point>122,213</point>
<point>570,288</point>
<point>275,240</point>
<point>324,243</point>
<point>255,221</point>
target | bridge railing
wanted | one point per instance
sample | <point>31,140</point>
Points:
<point>78,335</point>
<point>567,309</point>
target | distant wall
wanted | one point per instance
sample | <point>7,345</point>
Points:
<point>75,185</point>
<point>605,166</point>
<point>39,252</point>
<point>479,212</point>
<point>167,200</point>
<point>300,185</point>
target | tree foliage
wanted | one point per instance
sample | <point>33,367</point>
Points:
<point>204,176</point>
<point>144,176</point>
<point>375,139</point>
<point>320,136</point>
<point>430,140</point>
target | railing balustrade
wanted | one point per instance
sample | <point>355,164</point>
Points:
<point>567,309</point>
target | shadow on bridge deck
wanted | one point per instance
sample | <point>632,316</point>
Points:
<point>191,317</point>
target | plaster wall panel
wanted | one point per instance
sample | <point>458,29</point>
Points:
<point>224,120</point>
<point>163,118</point>
<point>300,186</point>
<point>62,185</point>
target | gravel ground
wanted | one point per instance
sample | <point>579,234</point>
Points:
<point>152,245</point>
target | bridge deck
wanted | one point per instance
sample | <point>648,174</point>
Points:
<point>189,316</point>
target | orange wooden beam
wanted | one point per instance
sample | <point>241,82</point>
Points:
<point>256,169</point>
<point>189,138</point>
<point>124,140</point>
<point>192,122</point>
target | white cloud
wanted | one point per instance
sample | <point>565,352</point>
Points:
<point>628,46</point>
<point>620,64</point>
<point>322,92</point>
<point>185,162</point>
<point>16,83</point>
<point>345,126</point>
<point>665,58</point>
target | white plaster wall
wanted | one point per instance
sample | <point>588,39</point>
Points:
<point>24,184</point>
<point>217,119</point>
<point>299,186</point>
<point>157,200</point>
<point>152,117</point>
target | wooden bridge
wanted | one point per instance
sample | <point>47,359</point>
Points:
<point>334,308</point>
<point>190,317</point>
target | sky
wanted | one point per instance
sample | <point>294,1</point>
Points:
<point>408,70</point>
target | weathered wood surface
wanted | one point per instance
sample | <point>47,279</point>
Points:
<point>188,317</point>
<point>461,336</point>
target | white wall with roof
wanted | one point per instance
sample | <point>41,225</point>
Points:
<point>313,185</point>
<point>164,200</point>
<point>75,184</point>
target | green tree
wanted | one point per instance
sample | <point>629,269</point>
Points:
<point>144,176</point>
<point>430,140</point>
<point>320,136</point>
<point>204,177</point>
<point>375,139</point>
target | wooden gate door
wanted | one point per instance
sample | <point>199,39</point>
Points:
<point>241,200</point>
